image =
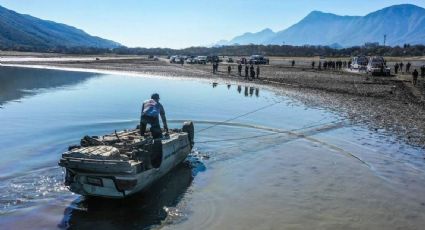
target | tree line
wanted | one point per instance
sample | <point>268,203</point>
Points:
<point>239,50</point>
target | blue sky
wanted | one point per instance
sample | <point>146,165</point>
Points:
<point>184,23</point>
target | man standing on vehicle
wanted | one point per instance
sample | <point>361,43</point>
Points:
<point>151,109</point>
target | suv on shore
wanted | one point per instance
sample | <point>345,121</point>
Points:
<point>359,63</point>
<point>201,60</point>
<point>376,66</point>
<point>258,60</point>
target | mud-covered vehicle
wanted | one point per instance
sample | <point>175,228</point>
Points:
<point>123,163</point>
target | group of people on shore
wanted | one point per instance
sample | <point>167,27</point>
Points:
<point>399,66</point>
<point>251,72</point>
<point>328,65</point>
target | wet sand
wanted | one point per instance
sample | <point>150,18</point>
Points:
<point>392,104</point>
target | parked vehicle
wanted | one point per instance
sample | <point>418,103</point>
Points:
<point>213,58</point>
<point>242,61</point>
<point>201,60</point>
<point>258,59</point>
<point>191,60</point>
<point>376,66</point>
<point>359,63</point>
<point>229,59</point>
<point>176,59</point>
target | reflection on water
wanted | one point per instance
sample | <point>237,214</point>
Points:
<point>249,91</point>
<point>16,83</point>
<point>139,211</point>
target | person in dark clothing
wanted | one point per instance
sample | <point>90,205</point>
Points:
<point>396,66</point>
<point>252,72</point>
<point>415,76</point>
<point>240,69</point>
<point>408,65</point>
<point>151,110</point>
<point>423,71</point>
<point>293,63</point>
<point>401,67</point>
<point>246,71</point>
<point>229,69</point>
<point>313,64</point>
<point>320,65</point>
<point>258,71</point>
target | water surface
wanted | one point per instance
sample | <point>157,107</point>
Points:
<point>284,166</point>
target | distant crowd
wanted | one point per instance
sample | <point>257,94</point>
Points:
<point>251,71</point>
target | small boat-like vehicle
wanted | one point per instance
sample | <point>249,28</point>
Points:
<point>123,163</point>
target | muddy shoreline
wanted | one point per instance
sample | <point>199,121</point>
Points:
<point>386,104</point>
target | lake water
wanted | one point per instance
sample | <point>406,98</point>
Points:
<point>286,166</point>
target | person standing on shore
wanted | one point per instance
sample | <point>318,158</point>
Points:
<point>229,69</point>
<point>293,63</point>
<point>252,72</point>
<point>396,68</point>
<point>258,71</point>
<point>320,65</point>
<point>313,64</point>
<point>408,65</point>
<point>401,67</point>
<point>415,76</point>
<point>240,69</point>
<point>246,71</point>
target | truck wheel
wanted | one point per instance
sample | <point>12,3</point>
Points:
<point>189,128</point>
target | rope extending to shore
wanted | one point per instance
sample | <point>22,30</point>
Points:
<point>239,116</point>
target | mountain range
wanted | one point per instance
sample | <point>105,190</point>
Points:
<point>400,23</point>
<point>20,30</point>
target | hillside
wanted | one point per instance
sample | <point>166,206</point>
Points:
<point>19,30</point>
<point>401,23</point>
